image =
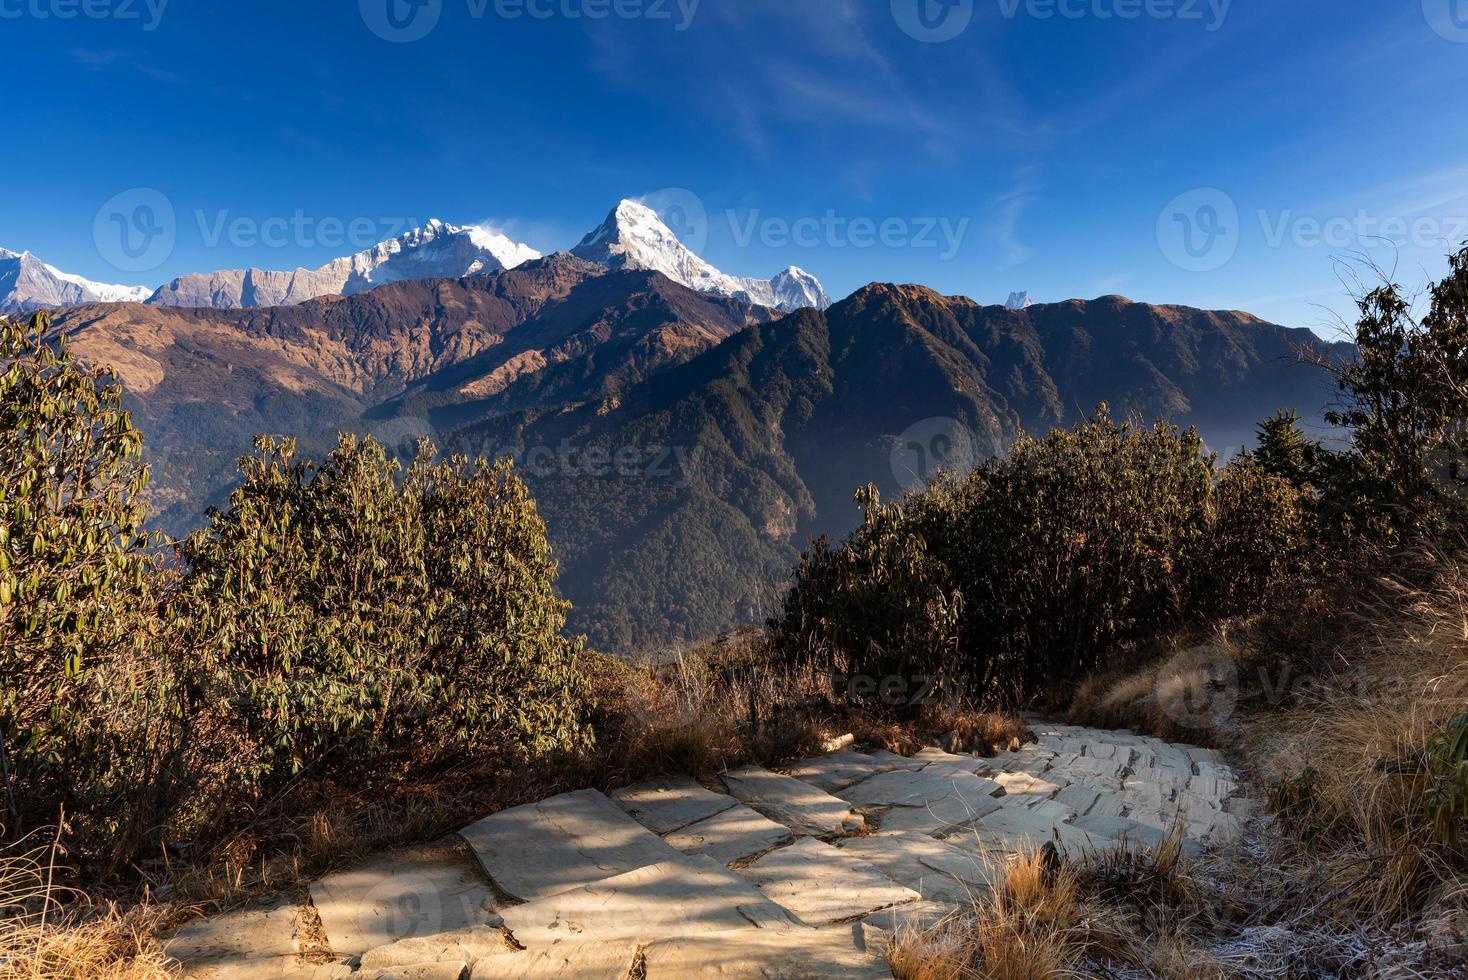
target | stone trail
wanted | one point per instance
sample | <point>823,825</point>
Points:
<point>791,875</point>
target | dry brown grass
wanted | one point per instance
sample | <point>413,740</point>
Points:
<point>1347,757</point>
<point>1184,697</point>
<point>48,933</point>
<point>960,728</point>
<point>1332,707</point>
<point>1025,928</point>
<point>1128,912</point>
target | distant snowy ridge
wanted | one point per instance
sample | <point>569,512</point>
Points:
<point>634,237</point>
<point>435,251</point>
<point>28,284</point>
<point>1020,301</point>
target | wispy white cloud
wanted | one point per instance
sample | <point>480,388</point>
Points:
<point>1009,209</point>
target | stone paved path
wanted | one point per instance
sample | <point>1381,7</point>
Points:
<point>781,875</point>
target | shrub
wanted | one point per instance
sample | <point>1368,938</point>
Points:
<point>337,614</point>
<point>878,606</point>
<point>1258,537</point>
<point>1029,570</point>
<point>80,707</point>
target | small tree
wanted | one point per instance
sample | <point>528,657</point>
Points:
<point>1285,451</point>
<point>1406,402</point>
<point>879,607</point>
<point>74,575</point>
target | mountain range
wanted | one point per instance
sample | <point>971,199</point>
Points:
<point>683,445</point>
<point>685,432</point>
<point>632,237</point>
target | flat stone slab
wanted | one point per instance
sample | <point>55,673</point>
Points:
<point>926,801</point>
<point>676,898</point>
<point>797,805</point>
<point>1001,842</point>
<point>564,961</point>
<point>666,805</point>
<point>421,971</point>
<point>542,849</point>
<point>939,872</point>
<point>1022,784</point>
<point>731,836</point>
<point>767,954</point>
<point>895,761</point>
<point>821,884</point>
<point>1079,797</point>
<point>915,916</point>
<point>838,770</point>
<point>418,891</point>
<point>253,944</point>
<point>468,945</point>
<point>1120,828</point>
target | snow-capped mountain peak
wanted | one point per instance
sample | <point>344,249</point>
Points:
<point>634,237</point>
<point>28,284</point>
<point>1019,301</point>
<point>437,250</point>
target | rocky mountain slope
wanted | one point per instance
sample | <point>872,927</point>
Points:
<point>750,449</point>
<point>397,361</point>
<point>683,445</point>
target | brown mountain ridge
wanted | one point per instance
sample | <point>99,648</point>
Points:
<point>749,433</point>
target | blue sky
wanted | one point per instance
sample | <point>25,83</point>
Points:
<point>1214,153</point>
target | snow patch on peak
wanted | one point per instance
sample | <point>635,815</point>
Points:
<point>28,284</point>
<point>1019,301</point>
<point>437,250</point>
<point>634,237</point>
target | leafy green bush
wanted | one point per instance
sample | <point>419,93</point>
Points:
<point>1447,763</point>
<point>81,704</point>
<point>1259,535</point>
<point>1031,569</point>
<point>336,614</point>
<point>880,605</point>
